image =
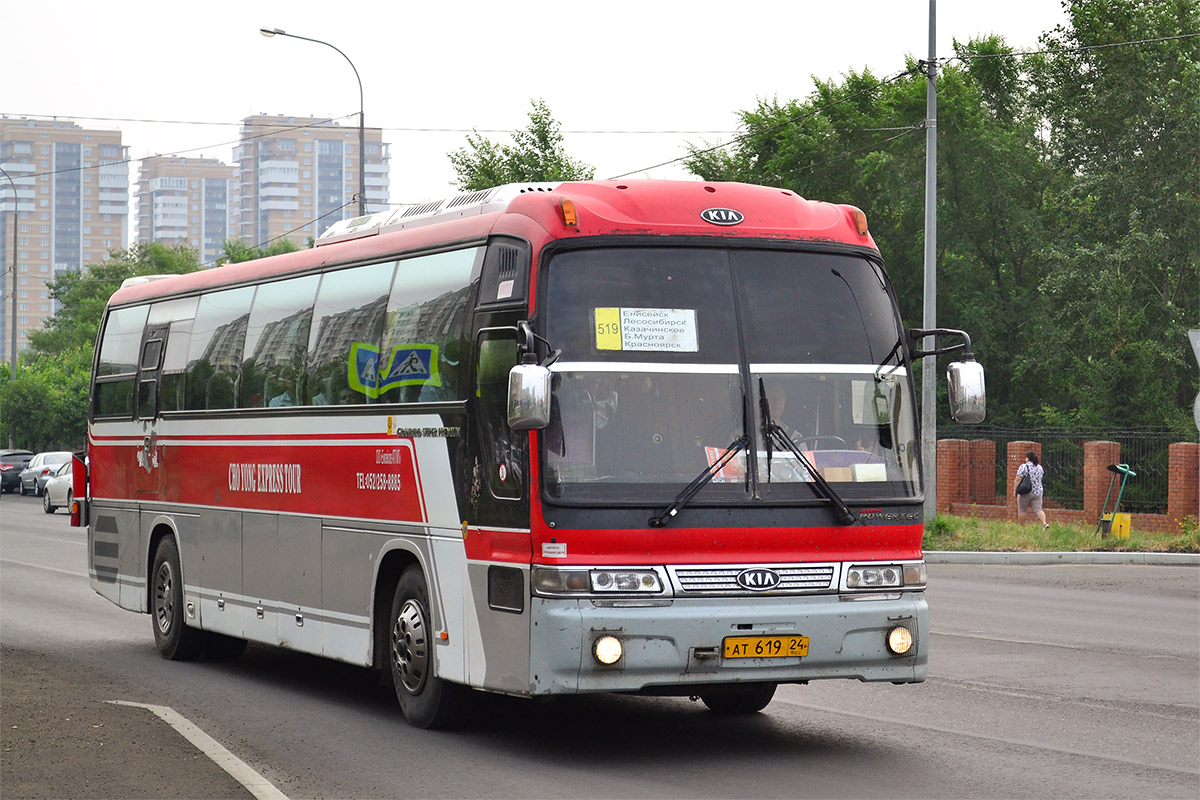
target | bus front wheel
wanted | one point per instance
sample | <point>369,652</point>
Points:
<point>426,700</point>
<point>747,698</point>
<point>174,639</point>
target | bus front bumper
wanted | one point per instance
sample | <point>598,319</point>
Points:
<point>668,648</point>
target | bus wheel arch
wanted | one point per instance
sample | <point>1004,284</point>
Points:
<point>426,700</point>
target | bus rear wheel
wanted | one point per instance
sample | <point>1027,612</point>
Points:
<point>746,698</point>
<point>174,639</point>
<point>426,700</point>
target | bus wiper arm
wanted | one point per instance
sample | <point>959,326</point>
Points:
<point>777,435</point>
<point>700,481</point>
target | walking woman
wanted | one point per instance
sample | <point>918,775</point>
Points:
<point>1031,500</point>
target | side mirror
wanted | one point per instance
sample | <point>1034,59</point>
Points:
<point>968,400</point>
<point>528,397</point>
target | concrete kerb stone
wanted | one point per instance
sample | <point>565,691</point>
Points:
<point>978,557</point>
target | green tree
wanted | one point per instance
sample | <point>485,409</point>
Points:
<point>1123,275</point>
<point>235,251</point>
<point>536,154</point>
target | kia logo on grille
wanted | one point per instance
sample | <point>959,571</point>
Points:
<point>758,579</point>
<point>721,216</point>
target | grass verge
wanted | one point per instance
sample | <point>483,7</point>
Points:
<point>949,532</point>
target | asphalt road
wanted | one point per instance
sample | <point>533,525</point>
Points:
<point>1045,681</point>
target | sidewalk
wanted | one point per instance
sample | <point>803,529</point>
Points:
<point>1085,557</point>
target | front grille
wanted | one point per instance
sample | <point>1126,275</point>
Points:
<point>793,579</point>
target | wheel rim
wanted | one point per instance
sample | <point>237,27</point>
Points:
<point>410,647</point>
<point>46,501</point>
<point>164,601</point>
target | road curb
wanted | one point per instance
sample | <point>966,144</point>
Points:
<point>977,557</point>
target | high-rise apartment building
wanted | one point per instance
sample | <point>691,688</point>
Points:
<point>190,201</point>
<point>299,175</point>
<point>70,209</point>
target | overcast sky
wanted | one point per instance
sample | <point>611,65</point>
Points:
<point>630,81</point>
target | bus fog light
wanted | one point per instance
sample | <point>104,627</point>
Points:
<point>900,640</point>
<point>607,650</point>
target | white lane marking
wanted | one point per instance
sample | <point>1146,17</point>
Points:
<point>242,772</point>
<point>72,573</point>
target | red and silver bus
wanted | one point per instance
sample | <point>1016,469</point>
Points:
<point>651,437</point>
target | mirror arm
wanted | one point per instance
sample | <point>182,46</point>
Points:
<point>915,335</point>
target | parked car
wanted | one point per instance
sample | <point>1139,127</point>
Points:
<point>11,464</point>
<point>59,489</point>
<point>41,467</point>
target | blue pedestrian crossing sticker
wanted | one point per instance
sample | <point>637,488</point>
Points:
<point>408,365</point>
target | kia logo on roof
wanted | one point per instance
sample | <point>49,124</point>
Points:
<point>758,580</point>
<point>722,216</point>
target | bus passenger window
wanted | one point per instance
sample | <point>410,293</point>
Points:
<point>425,328</point>
<point>273,369</point>
<point>347,325</point>
<point>215,349</point>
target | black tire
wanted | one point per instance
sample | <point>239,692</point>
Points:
<point>49,509</point>
<point>426,700</point>
<point>174,639</point>
<point>37,489</point>
<point>22,488</point>
<point>70,499</point>
<point>219,647</point>
<point>748,698</point>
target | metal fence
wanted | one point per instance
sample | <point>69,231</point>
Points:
<point>1143,449</point>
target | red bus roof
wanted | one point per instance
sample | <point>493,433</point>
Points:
<point>616,208</point>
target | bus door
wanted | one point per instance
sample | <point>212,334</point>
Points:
<point>496,512</point>
<point>150,452</point>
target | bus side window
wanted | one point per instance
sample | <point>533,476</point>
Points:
<point>503,450</point>
<point>424,326</point>
<point>215,348</point>
<point>273,366</point>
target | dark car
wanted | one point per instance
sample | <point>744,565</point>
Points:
<point>11,464</point>
<point>39,470</point>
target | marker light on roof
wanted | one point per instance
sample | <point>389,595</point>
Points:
<point>860,220</point>
<point>566,207</point>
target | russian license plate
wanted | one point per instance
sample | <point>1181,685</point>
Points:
<point>766,646</point>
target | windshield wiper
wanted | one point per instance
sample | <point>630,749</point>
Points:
<point>776,436</point>
<point>700,481</point>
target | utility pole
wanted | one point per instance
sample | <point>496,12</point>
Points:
<point>929,320</point>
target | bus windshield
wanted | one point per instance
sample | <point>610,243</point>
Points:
<point>669,353</point>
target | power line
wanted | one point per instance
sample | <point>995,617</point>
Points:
<point>396,128</point>
<point>778,126</point>
<point>1067,50</point>
<point>272,132</point>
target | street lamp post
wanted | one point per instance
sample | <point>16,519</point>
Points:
<point>12,285</point>
<point>362,131</point>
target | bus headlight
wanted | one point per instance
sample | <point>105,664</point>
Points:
<point>626,581</point>
<point>886,576</point>
<point>874,577</point>
<point>576,581</point>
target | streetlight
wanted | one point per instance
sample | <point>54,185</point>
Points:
<point>362,131</point>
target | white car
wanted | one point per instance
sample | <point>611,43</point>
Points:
<point>58,492</point>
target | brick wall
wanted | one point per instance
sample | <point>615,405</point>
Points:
<point>967,472</point>
<point>1183,495</point>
